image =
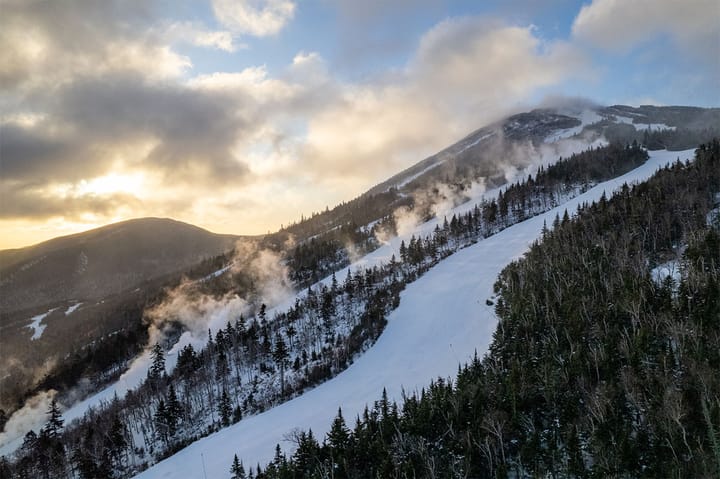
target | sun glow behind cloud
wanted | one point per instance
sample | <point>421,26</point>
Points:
<point>240,116</point>
<point>113,183</point>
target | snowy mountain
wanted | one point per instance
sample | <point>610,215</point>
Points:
<point>443,320</point>
<point>494,153</point>
<point>478,152</point>
<point>441,230</point>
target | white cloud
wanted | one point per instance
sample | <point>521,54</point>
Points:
<point>483,63</point>
<point>44,45</point>
<point>466,72</point>
<point>309,69</point>
<point>294,142</point>
<point>254,17</point>
<point>254,82</point>
<point>621,24</point>
<point>195,34</point>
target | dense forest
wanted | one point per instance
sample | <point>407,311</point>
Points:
<point>312,249</point>
<point>659,138</point>
<point>602,365</point>
<point>254,363</point>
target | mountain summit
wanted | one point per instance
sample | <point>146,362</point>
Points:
<point>102,261</point>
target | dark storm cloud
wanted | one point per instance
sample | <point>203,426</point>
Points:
<point>27,152</point>
<point>193,132</point>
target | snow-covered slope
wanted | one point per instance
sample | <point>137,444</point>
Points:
<point>441,321</point>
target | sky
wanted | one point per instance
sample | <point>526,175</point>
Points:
<point>240,116</point>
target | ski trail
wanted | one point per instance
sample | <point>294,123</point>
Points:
<point>441,321</point>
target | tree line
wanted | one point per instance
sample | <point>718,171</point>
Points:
<point>599,366</point>
<point>254,363</point>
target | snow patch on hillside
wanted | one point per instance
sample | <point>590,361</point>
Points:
<point>643,126</point>
<point>713,216</point>
<point>416,175</point>
<point>586,117</point>
<point>72,308</point>
<point>477,141</point>
<point>670,269</point>
<point>36,326</point>
<point>441,321</point>
<point>217,273</point>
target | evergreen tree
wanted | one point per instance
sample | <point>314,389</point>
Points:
<point>157,367</point>
<point>174,408</point>
<point>5,471</point>
<point>225,408</point>
<point>237,470</point>
<point>117,442</point>
<point>338,440</point>
<point>280,355</point>
<point>50,450</point>
<point>3,419</point>
<point>339,435</point>
<point>162,426</point>
<point>55,421</point>
<point>237,414</point>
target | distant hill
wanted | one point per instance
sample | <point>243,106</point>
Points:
<point>88,290</point>
<point>103,261</point>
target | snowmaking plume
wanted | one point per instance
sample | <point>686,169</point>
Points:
<point>32,416</point>
<point>503,162</point>
<point>265,280</point>
<point>188,305</point>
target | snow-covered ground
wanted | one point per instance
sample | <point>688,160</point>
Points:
<point>72,308</point>
<point>670,269</point>
<point>587,117</point>
<point>477,141</point>
<point>217,273</point>
<point>36,321</point>
<point>643,126</point>
<point>441,321</point>
<point>36,326</point>
<point>412,177</point>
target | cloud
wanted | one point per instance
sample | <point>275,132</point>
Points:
<point>40,202</point>
<point>199,312</point>
<point>621,25</point>
<point>370,11</point>
<point>254,17</point>
<point>105,95</point>
<point>252,82</point>
<point>196,34</point>
<point>487,62</point>
<point>369,31</point>
<point>466,72</point>
<point>181,138</point>
<point>45,44</point>
<point>96,122</point>
<point>32,416</point>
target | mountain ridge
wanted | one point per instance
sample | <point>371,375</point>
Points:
<point>121,254</point>
<point>476,155</point>
<point>49,244</point>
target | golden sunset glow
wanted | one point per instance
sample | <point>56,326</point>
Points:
<point>242,116</point>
